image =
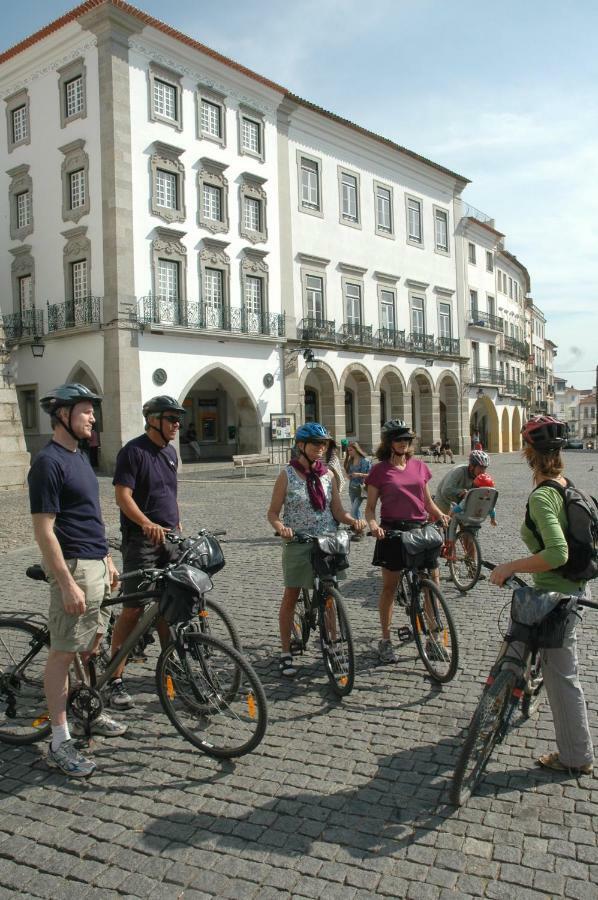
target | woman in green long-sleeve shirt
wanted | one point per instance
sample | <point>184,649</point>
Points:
<point>543,438</point>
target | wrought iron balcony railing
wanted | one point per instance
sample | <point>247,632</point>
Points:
<point>481,319</point>
<point>29,323</point>
<point>517,348</point>
<point>540,371</point>
<point>516,389</point>
<point>206,317</point>
<point>315,329</point>
<point>74,313</point>
<point>360,335</point>
<point>422,342</point>
<point>447,346</point>
<point>486,376</point>
<point>390,339</point>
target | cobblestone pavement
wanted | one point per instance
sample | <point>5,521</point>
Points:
<point>342,799</point>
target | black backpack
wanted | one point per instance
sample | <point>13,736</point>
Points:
<point>581,533</point>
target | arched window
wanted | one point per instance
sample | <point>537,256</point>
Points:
<point>311,406</point>
<point>382,407</point>
<point>349,412</point>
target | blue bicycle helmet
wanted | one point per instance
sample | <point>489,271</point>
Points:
<point>312,431</point>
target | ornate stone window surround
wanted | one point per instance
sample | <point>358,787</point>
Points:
<point>22,265</point>
<point>351,274</point>
<point>212,173</point>
<point>205,92</point>
<point>314,266</point>
<point>387,283</point>
<point>20,98</point>
<point>251,186</point>
<point>20,183</point>
<point>76,249</point>
<point>417,291</point>
<point>254,115</point>
<point>160,73</point>
<point>75,159</point>
<point>75,69</point>
<point>213,255</point>
<point>168,245</point>
<point>167,158</point>
<point>254,265</point>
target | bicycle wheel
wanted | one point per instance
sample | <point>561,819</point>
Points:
<point>212,695</point>
<point>23,709</point>
<point>435,632</point>
<point>465,564</point>
<point>215,621</point>
<point>483,733</point>
<point>530,702</point>
<point>337,643</point>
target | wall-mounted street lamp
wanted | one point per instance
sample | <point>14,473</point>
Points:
<point>480,393</point>
<point>37,347</point>
<point>308,355</point>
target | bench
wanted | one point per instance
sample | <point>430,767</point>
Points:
<point>250,460</point>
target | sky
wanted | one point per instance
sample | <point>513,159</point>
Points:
<point>506,95</point>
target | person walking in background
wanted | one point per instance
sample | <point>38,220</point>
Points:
<point>334,464</point>
<point>357,466</point>
<point>475,440</point>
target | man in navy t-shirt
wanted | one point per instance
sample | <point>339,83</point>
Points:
<point>69,529</point>
<point>145,483</point>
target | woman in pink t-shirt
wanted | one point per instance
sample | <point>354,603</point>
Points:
<point>401,484</point>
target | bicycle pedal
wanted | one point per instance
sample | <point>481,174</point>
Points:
<point>404,633</point>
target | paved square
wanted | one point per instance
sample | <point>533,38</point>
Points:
<point>344,799</point>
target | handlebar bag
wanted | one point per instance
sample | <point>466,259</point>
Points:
<point>330,553</point>
<point>420,547</point>
<point>540,619</point>
<point>183,588</point>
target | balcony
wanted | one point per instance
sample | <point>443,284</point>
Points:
<point>516,348</point>
<point>314,329</point>
<point>422,343</point>
<point>29,323</point>
<point>358,335</point>
<point>390,339</point>
<point>541,406</point>
<point>516,389</point>
<point>486,376</point>
<point>207,317</point>
<point>447,346</point>
<point>540,371</point>
<point>480,319</point>
<point>74,313</point>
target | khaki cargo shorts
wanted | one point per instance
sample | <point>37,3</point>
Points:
<point>76,634</point>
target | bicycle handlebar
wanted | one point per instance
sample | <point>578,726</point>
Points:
<point>511,582</point>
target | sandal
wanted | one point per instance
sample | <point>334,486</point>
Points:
<point>286,666</point>
<point>552,761</point>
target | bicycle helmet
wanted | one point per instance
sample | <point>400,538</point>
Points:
<point>162,404</point>
<point>483,480</point>
<point>396,428</point>
<point>479,458</point>
<point>545,433</point>
<point>67,395</point>
<point>312,432</point>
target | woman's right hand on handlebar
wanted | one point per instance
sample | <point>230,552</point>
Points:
<point>376,531</point>
<point>285,532</point>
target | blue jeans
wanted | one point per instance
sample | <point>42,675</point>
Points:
<point>356,500</point>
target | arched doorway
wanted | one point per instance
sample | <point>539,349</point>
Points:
<point>392,389</point>
<point>318,398</point>
<point>516,430</point>
<point>422,407</point>
<point>505,431</point>
<point>448,402</point>
<point>484,418</point>
<point>224,414</point>
<point>360,412</point>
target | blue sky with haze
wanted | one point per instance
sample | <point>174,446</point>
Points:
<point>505,95</point>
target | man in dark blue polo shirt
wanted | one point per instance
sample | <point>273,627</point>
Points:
<point>145,483</point>
<point>69,529</point>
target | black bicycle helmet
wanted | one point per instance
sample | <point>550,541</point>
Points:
<point>161,404</point>
<point>68,395</point>
<point>396,428</point>
<point>545,433</point>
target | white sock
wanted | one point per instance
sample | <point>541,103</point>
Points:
<point>60,734</point>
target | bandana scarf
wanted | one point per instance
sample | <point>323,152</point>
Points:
<point>315,488</point>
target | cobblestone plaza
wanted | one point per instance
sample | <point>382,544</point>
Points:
<point>342,799</point>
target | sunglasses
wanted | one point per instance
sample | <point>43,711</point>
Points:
<point>174,420</point>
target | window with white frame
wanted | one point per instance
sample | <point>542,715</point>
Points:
<point>213,195</point>
<point>441,230</point>
<point>414,221</point>
<point>252,196</point>
<point>20,124</point>
<point>349,197</point>
<point>418,314</point>
<point>23,201</point>
<point>387,310</point>
<point>165,96</point>
<point>251,138</point>
<point>165,99</point>
<point>77,189</point>
<point>444,320</point>
<point>79,278</point>
<point>25,285</point>
<point>166,189</point>
<point>251,217</point>
<point>471,256</point>
<point>473,302</point>
<point>353,304</point>
<point>253,302</point>
<point>211,119</point>
<point>510,287</point>
<point>214,296</point>
<point>489,261</point>
<point>310,183</point>
<point>212,202</point>
<point>72,91</point>
<point>73,94</point>
<point>17,119</point>
<point>168,279</point>
<point>314,289</point>
<point>383,209</point>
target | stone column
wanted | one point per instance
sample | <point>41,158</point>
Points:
<point>122,382</point>
<point>14,458</point>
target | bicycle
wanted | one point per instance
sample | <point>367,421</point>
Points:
<point>513,679</point>
<point>432,625</point>
<point>208,690</point>
<point>461,547</point>
<point>324,610</point>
